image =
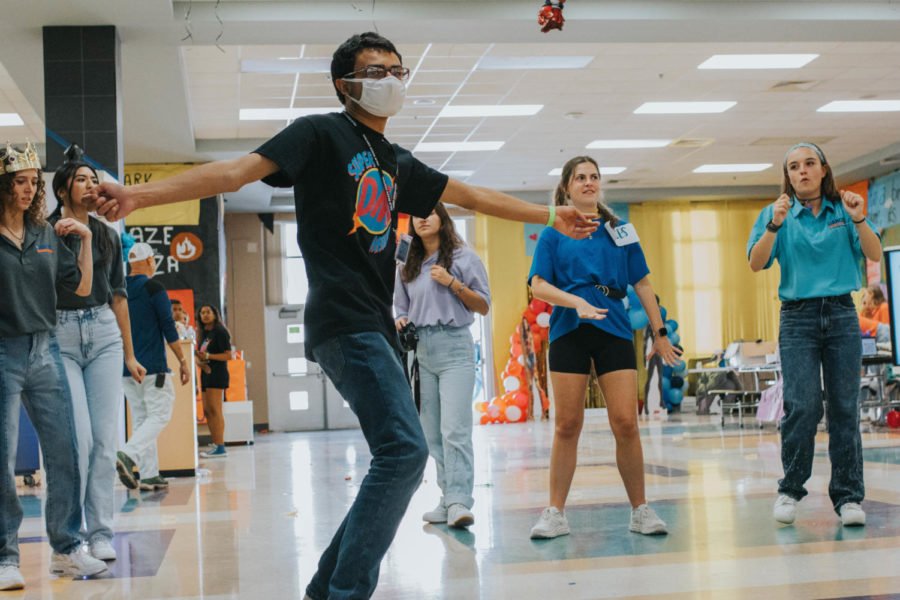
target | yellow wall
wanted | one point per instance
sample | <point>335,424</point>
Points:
<point>501,245</point>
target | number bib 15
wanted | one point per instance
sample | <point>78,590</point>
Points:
<point>622,235</point>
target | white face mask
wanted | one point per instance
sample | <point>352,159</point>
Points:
<point>380,97</point>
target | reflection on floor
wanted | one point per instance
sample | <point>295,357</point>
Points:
<point>253,525</point>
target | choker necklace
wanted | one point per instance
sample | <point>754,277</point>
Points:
<point>805,202</point>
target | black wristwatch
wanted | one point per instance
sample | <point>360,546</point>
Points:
<point>771,226</point>
<point>663,332</point>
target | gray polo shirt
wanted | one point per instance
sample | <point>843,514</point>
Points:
<point>28,280</point>
<point>109,275</point>
<point>426,302</point>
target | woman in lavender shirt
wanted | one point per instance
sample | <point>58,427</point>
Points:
<point>442,283</point>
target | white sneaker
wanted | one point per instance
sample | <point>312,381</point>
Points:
<point>103,550</point>
<point>11,578</point>
<point>785,510</point>
<point>438,515</point>
<point>552,524</point>
<point>459,516</point>
<point>852,514</point>
<point>646,522</point>
<point>76,563</point>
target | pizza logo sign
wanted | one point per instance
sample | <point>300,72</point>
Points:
<point>186,247</point>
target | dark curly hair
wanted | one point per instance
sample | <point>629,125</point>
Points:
<point>449,241</point>
<point>35,213</point>
<point>561,198</point>
<point>64,179</point>
<point>344,58</point>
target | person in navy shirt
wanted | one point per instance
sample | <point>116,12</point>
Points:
<point>819,236</point>
<point>586,281</point>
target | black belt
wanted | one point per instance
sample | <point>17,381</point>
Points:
<point>614,293</point>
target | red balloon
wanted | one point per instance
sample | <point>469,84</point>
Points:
<point>893,419</point>
<point>530,316</point>
<point>537,306</point>
<point>521,400</point>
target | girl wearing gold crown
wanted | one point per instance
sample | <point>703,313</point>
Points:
<point>33,261</point>
<point>94,336</point>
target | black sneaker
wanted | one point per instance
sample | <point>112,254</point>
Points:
<point>125,467</point>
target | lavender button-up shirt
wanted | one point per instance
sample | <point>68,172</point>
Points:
<point>426,302</point>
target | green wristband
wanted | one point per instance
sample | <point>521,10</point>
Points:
<point>552,215</point>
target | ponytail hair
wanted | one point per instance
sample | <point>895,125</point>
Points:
<point>63,180</point>
<point>561,198</point>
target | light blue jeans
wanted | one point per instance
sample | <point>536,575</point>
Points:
<point>367,372</point>
<point>91,346</point>
<point>447,380</point>
<point>31,371</point>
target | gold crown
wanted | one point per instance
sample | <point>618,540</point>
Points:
<point>13,160</point>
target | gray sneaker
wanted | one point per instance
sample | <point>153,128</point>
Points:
<point>11,578</point>
<point>459,516</point>
<point>646,522</point>
<point>77,563</point>
<point>552,523</point>
<point>438,515</point>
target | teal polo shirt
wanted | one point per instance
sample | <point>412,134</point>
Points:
<point>819,255</point>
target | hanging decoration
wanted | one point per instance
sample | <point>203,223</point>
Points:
<point>550,16</point>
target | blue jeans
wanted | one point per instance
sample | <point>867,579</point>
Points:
<point>367,372</point>
<point>447,378</point>
<point>821,335</point>
<point>31,371</point>
<point>91,346</point>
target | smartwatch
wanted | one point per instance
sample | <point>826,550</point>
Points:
<point>771,226</point>
<point>663,332</point>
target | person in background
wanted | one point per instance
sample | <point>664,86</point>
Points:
<point>442,283</point>
<point>34,262</point>
<point>178,316</point>
<point>213,354</point>
<point>819,236</point>
<point>94,333</point>
<point>874,305</point>
<point>586,281</point>
<point>151,400</point>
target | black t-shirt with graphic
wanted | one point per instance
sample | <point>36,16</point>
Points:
<point>345,228</point>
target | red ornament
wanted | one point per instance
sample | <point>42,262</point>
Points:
<point>893,419</point>
<point>550,15</point>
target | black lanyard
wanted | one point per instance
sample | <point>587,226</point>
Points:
<point>393,194</point>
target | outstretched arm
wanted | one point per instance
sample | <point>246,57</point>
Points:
<point>568,220</point>
<point>115,201</point>
<point>546,291</point>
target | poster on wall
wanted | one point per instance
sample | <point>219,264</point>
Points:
<point>186,238</point>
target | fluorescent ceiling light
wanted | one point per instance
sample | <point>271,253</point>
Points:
<point>603,171</point>
<point>757,61</point>
<point>458,146</point>
<point>287,65</point>
<point>524,63</point>
<point>861,106</point>
<point>10,120</point>
<point>623,144</point>
<point>682,108</point>
<point>491,110</point>
<point>736,168</point>
<point>459,174</point>
<point>283,114</point>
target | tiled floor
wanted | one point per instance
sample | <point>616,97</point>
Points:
<point>254,525</point>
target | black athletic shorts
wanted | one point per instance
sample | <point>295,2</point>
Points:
<point>573,352</point>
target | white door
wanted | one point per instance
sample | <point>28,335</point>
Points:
<point>296,385</point>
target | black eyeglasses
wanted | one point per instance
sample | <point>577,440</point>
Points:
<point>380,72</point>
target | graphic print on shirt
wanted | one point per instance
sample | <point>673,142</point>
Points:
<point>836,223</point>
<point>373,209</point>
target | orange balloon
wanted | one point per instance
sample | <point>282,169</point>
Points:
<point>485,419</point>
<point>529,316</point>
<point>499,402</point>
<point>481,406</point>
<point>521,400</point>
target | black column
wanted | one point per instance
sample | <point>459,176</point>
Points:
<point>82,99</point>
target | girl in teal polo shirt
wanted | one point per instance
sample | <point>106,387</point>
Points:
<point>586,281</point>
<point>819,235</point>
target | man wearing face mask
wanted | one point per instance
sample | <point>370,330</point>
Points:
<point>349,184</point>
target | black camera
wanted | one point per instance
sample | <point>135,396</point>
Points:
<point>409,337</point>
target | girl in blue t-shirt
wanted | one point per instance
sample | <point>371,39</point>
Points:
<point>586,281</point>
<point>819,236</point>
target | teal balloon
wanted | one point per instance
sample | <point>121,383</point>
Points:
<point>662,312</point>
<point>684,388</point>
<point>675,397</point>
<point>674,338</point>
<point>666,385</point>
<point>672,326</point>
<point>638,319</point>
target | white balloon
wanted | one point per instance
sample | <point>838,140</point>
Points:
<point>543,319</point>
<point>511,384</point>
<point>513,413</point>
<point>521,359</point>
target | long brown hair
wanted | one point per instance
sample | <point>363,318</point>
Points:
<point>561,198</point>
<point>217,322</point>
<point>449,241</point>
<point>35,213</point>
<point>828,190</point>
